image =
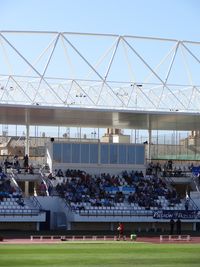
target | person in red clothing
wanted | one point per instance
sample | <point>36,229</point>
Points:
<point>120,230</point>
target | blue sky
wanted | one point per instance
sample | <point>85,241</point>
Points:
<point>170,18</point>
<point>177,19</point>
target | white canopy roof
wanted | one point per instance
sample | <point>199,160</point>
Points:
<point>88,117</point>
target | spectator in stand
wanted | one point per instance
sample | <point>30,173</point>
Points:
<point>16,163</point>
<point>59,173</point>
<point>3,176</point>
<point>51,176</point>
<point>26,162</point>
<point>7,164</point>
<point>190,167</point>
<point>30,169</point>
<point>187,204</point>
<point>20,201</point>
<point>42,189</point>
<point>170,165</point>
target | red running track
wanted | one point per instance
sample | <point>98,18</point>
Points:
<point>153,240</point>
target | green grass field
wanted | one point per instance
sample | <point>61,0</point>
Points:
<point>100,254</point>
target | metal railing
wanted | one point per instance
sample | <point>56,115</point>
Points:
<point>19,212</point>
<point>114,213</point>
<point>35,202</point>
<point>195,180</point>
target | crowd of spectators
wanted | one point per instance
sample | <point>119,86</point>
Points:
<point>14,163</point>
<point>106,190</point>
<point>169,169</point>
<point>147,192</point>
<point>6,189</point>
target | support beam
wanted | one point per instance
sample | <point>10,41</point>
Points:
<point>149,138</point>
<point>27,140</point>
<point>149,144</point>
<point>26,189</point>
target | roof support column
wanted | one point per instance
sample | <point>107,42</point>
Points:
<point>27,140</point>
<point>149,145</point>
<point>149,139</point>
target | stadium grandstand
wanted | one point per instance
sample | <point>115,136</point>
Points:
<point>126,145</point>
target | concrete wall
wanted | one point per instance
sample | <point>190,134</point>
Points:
<point>129,227</point>
<point>60,215</point>
<point>22,226</point>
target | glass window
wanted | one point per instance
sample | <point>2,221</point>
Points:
<point>113,153</point>
<point>76,153</point>
<point>84,153</point>
<point>104,153</point>
<point>67,153</point>
<point>139,154</point>
<point>93,153</point>
<point>131,154</point>
<point>122,154</point>
<point>57,152</point>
